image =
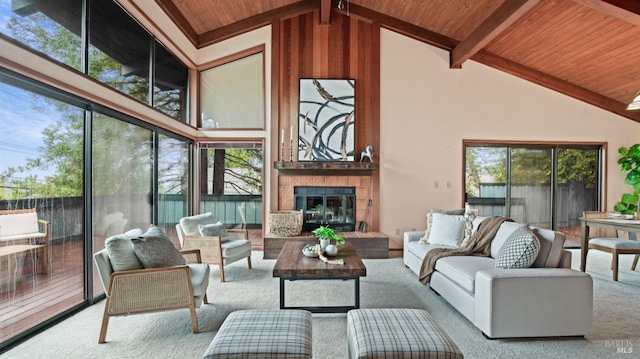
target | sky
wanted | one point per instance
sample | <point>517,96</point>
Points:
<point>22,125</point>
<point>23,116</point>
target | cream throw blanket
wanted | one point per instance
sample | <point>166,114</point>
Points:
<point>478,245</point>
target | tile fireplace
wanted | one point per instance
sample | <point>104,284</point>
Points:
<point>326,206</point>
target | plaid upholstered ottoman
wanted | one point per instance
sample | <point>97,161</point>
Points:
<point>397,333</point>
<point>263,333</point>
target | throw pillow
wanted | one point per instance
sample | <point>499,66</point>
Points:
<point>154,249</point>
<point>446,229</point>
<point>519,250</point>
<point>214,230</point>
<point>190,224</point>
<point>469,216</point>
<point>120,250</point>
<point>425,238</point>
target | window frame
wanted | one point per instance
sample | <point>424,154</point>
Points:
<point>227,60</point>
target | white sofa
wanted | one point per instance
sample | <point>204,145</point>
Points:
<point>548,299</point>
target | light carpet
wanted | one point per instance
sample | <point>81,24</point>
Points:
<point>388,284</point>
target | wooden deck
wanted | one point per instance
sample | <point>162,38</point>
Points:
<point>35,297</point>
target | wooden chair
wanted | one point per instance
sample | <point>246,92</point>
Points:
<point>152,289</point>
<point>214,250</point>
<point>607,240</point>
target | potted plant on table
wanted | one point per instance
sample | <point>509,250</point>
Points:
<point>325,235</point>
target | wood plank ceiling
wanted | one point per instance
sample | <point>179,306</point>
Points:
<point>587,49</point>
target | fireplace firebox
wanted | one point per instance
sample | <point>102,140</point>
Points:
<point>326,206</point>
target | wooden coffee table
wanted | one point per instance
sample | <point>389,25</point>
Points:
<point>293,265</point>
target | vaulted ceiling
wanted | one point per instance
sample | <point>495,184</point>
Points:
<point>587,49</point>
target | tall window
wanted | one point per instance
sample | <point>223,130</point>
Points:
<point>41,169</point>
<point>173,183</point>
<point>122,174</point>
<point>543,185</point>
<point>231,183</point>
<point>119,50</point>
<point>232,94</point>
<point>170,84</point>
<point>122,54</point>
<point>47,27</point>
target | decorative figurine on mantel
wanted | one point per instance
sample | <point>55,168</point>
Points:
<point>368,152</point>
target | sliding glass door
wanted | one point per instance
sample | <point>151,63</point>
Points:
<point>122,177</point>
<point>542,185</point>
<point>41,170</point>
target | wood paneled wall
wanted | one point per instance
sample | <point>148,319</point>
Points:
<point>347,48</point>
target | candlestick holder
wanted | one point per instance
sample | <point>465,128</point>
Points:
<point>282,152</point>
<point>291,151</point>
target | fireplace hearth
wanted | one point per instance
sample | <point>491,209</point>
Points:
<point>326,206</point>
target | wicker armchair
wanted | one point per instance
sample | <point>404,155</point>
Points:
<point>214,250</point>
<point>153,289</point>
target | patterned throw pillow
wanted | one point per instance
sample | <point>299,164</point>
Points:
<point>520,249</point>
<point>214,230</point>
<point>154,249</point>
<point>469,216</point>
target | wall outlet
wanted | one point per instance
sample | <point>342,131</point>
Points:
<point>396,231</point>
<point>413,229</point>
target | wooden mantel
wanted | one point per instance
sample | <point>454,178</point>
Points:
<point>325,167</point>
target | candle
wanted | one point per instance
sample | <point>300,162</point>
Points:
<point>291,134</point>
<point>282,136</point>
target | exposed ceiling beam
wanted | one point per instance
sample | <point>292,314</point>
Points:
<point>556,84</point>
<point>254,22</point>
<point>325,12</point>
<point>181,22</point>
<point>627,10</point>
<point>505,15</point>
<point>402,27</point>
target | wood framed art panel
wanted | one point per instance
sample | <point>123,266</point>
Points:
<point>232,92</point>
<point>326,120</point>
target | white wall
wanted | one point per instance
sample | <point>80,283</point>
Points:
<point>428,109</point>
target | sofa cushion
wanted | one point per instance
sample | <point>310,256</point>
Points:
<point>520,250</point>
<point>190,224</point>
<point>120,250</point>
<point>214,230</point>
<point>551,246</point>
<point>462,269</point>
<point>446,229</point>
<point>420,250</point>
<point>154,249</point>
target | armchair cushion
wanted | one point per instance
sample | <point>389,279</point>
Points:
<point>120,249</point>
<point>235,247</point>
<point>199,278</point>
<point>155,249</point>
<point>190,224</point>
<point>214,230</point>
